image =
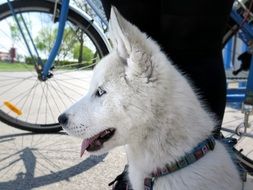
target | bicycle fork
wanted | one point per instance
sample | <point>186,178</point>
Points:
<point>62,20</point>
<point>43,69</point>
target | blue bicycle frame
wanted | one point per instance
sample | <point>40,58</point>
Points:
<point>246,35</point>
<point>62,20</point>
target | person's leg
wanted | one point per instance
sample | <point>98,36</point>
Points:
<point>143,13</point>
<point>190,33</point>
<point>207,76</point>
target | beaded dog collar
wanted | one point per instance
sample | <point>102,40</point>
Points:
<point>198,152</point>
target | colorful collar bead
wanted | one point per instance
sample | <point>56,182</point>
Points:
<point>189,158</point>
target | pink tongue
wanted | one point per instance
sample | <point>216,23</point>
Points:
<point>86,143</point>
<point>84,146</point>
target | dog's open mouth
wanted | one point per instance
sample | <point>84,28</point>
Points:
<point>96,142</point>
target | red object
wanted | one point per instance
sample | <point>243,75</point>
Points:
<point>12,54</point>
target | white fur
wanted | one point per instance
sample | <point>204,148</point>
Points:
<point>155,113</point>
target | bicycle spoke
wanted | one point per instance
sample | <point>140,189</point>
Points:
<point>22,106</point>
<point>40,140</point>
<point>10,167</point>
<point>40,102</point>
<point>58,83</point>
<point>1,30</point>
<point>12,87</point>
<point>53,144</point>
<point>59,96</point>
<point>21,94</point>
<point>71,65</point>
<point>25,96</point>
<point>79,69</point>
<point>81,79</point>
<point>47,103</point>
<point>11,79</point>
<point>52,97</point>
<point>30,105</point>
<point>47,160</point>
<point>15,77</point>
<point>66,95</point>
<point>75,85</point>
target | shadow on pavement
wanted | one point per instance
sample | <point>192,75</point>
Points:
<point>27,179</point>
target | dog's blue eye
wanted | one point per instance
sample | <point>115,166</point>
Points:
<point>100,92</point>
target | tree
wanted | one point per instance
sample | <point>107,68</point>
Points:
<point>46,37</point>
<point>15,34</point>
<point>87,53</point>
<point>14,29</point>
<point>72,44</point>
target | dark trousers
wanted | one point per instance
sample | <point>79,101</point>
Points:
<point>190,33</point>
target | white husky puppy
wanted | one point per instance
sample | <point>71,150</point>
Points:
<point>139,99</point>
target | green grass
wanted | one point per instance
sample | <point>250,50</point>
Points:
<point>15,67</point>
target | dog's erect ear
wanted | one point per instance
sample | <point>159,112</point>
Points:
<point>131,44</point>
<point>118,33</point>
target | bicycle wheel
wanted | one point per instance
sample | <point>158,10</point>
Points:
<point>42,101</point>
<point>52,161</point>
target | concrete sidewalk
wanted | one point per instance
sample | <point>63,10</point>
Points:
<point>35,161</point>
<point>31,161</point>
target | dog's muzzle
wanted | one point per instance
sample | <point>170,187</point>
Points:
<point>63,119</point>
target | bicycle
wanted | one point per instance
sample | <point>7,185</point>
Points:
<point>240,32</point>
<point>43,84</point>
<point>33,90</point>
<point>46,76</point>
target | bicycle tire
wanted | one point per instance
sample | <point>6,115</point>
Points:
<point>47,6</point>
<point>246,162</point>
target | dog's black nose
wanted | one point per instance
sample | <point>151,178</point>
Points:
<point>63,119</point>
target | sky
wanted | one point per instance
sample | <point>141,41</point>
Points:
<point>37,22</point>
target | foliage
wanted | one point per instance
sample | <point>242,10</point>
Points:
<point>87,53</point>
<point>45,39</point>
<point>70,47</point>
<point>30,60</point>
<point>14,33</point>
<point>14,29</point>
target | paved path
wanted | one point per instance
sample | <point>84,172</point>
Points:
<point>32,161</point>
